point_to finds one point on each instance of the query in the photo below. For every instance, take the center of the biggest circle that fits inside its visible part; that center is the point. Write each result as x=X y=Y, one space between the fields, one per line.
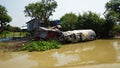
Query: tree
x=90 y=20
x=42 y=9
x=16 y=29
x=69 y=21
x=112 y=12
x=4 y=18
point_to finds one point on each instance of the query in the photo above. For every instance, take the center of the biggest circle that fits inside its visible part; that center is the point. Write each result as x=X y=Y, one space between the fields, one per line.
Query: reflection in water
x=17 y=61
x=85 y=48
x=114 y=65
x=88 y=48
x=103 y=52
x=5 y=56
x=65 y=59
x=93 y=54
x=116 y=45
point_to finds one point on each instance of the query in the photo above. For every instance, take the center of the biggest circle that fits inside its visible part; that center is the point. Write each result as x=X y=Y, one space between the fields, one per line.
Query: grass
x=12 y=34
x=41 y=45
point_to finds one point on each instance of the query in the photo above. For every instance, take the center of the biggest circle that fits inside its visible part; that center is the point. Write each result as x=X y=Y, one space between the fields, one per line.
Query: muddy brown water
x=92 y=54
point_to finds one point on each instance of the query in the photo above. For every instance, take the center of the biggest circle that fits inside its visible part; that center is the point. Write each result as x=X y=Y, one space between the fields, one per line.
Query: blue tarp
x=10 y=39
x=6 y=39
x=55 y=22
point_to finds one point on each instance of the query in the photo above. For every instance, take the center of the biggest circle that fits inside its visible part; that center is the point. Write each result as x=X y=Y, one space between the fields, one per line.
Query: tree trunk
x=1 y=27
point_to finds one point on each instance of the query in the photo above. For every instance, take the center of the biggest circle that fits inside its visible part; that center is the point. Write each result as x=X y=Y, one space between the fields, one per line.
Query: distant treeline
x=104 y=28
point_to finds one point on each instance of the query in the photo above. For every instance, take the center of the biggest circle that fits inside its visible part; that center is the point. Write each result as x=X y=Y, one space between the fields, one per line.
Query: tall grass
x=41 y=45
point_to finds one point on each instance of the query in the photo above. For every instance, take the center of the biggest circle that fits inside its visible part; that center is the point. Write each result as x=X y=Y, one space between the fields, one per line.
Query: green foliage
x=16 y=29
x=41 y=45
x=42 y=9
x=112 y=12
x=88 y=20
x=12 y=29
x=117 y=29
x=4 y=17
x=11 y=34
x=69 y=21
x=93 y=21
x=9 y=28
x=113 y=5
x=112 y=15
x=2 y=10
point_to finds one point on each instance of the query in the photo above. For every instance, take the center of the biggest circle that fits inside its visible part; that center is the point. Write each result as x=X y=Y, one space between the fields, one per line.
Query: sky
x=16 y=9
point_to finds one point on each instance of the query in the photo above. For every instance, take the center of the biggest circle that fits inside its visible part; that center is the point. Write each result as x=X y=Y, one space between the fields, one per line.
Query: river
x=91 y=54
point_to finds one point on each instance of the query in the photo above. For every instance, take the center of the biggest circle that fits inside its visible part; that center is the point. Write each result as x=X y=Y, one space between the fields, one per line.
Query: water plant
x=40 y=45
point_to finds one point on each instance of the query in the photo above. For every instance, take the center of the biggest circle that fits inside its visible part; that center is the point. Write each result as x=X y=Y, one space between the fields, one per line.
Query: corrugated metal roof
x=48 y=29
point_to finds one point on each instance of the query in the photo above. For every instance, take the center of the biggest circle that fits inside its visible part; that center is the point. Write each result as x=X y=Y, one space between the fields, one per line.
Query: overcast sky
x=16 y=7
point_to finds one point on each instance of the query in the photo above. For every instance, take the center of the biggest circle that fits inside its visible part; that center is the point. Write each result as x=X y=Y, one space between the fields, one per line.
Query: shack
x=46 y=33
x=37 y=30
x=33 y=24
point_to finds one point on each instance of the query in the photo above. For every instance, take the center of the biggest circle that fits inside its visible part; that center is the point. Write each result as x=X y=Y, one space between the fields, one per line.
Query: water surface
x=92 y=54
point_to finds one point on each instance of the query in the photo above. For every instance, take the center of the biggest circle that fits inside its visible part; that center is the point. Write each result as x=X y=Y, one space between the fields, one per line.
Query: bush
x=117 y=29
x=41 y=45
x=69 y=21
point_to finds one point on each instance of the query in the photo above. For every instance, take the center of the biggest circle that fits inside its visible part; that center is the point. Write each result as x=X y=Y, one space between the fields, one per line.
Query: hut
x=47 y=33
